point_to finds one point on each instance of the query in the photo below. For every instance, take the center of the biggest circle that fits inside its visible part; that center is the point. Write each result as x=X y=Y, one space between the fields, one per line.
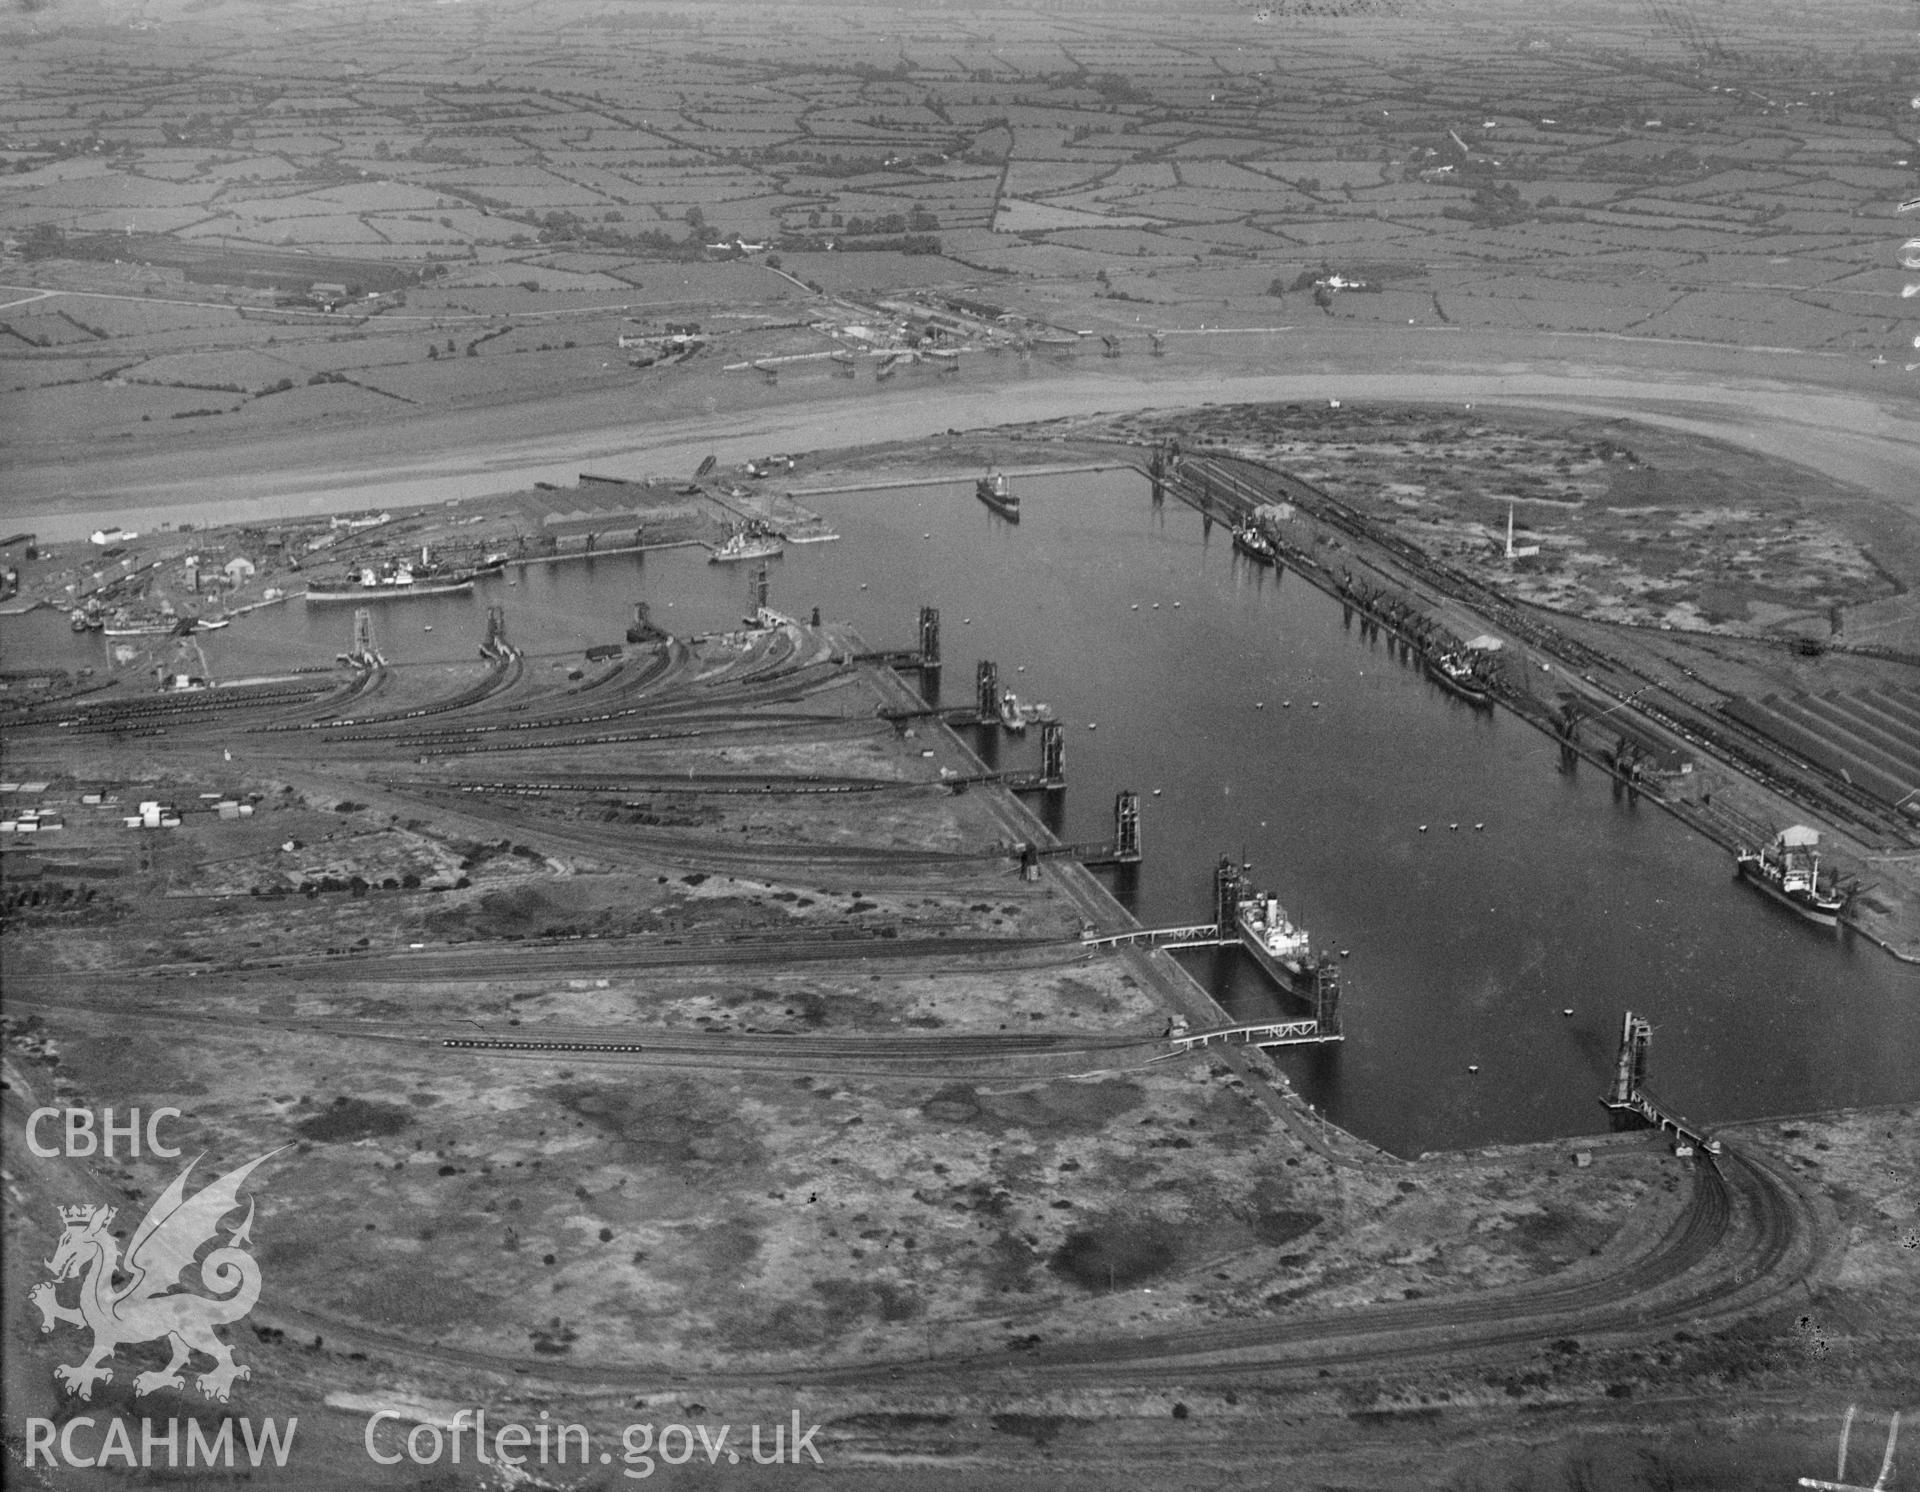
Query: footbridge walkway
x=1190 y=935
x=1261 y=1033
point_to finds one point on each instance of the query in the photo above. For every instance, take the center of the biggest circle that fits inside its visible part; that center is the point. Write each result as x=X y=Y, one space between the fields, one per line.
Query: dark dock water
x=1254 y=723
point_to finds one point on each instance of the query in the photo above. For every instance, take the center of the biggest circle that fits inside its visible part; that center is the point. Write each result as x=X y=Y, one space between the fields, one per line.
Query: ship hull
x=324 y=595
x=1286 y=974
x=724 y=556
x=1753 y=875
x=998 y=495
x=1293 y=974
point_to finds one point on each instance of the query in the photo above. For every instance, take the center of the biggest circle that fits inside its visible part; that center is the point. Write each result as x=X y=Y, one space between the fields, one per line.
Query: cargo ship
x=1280 y=948
x=402 y=578
x=395 y=581
x=1455 y=673
x=997 y=493
x=752 y=540
x=1788 y=870
x=1255 y=545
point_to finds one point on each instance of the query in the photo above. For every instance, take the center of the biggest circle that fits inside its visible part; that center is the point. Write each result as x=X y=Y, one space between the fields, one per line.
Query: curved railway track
x=1744 y=1239
x=1746 y=1235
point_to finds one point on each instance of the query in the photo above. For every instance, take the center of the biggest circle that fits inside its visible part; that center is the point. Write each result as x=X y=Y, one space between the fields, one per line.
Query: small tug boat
x=997 y=493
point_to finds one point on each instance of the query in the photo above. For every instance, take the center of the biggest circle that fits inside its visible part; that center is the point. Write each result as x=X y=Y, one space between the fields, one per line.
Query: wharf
x=1629 y=1099
x=1098 y=909
x=963 y=478
x=586 y=554
x=1418 y=589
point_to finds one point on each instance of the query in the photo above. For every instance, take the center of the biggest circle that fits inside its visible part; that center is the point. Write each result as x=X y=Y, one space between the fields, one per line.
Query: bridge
x=901 y=658
x=1122 y=849
x=1192 y=935
x=951 y=714
x=1263 y=1033
x=1685 y=1134
x=926 y=657
x=1317 y=981
x=1630 y=1099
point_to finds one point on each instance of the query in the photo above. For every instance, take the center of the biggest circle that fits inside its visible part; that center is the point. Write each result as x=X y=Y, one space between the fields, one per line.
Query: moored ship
x=1789 y=871
x=997 y=493
x=1280 y=948
x=753 y=540
x=1255 y=545
x=1455 y=673
x=400 y=581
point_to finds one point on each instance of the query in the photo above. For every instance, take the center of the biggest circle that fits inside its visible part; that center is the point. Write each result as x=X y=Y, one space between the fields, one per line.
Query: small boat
x=1788 y=870
x=997 y=493
x=1255 y=545
x=1016 y=716
x=1455 y=673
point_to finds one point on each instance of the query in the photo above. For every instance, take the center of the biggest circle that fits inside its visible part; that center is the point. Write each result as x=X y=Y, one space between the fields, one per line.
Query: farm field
x=1707 y=179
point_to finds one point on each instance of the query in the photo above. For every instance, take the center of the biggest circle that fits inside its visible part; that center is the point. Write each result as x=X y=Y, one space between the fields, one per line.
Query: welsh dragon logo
x=151 y=1303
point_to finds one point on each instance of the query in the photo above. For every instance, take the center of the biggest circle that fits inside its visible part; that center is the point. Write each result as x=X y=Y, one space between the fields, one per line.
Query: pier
x=1228 y=930
x=361 y=651
x=1122 y=849
x=1261 y=1033
x=494 y=647
x=1631 y=1102
x=1196 y=935
x=925 y=658
x=1052 y=776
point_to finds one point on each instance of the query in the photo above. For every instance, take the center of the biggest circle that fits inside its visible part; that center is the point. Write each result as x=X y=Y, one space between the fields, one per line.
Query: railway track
x=1246 y=484
x=1744 y=1239
x=1747 y=1234
x=574 y=957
